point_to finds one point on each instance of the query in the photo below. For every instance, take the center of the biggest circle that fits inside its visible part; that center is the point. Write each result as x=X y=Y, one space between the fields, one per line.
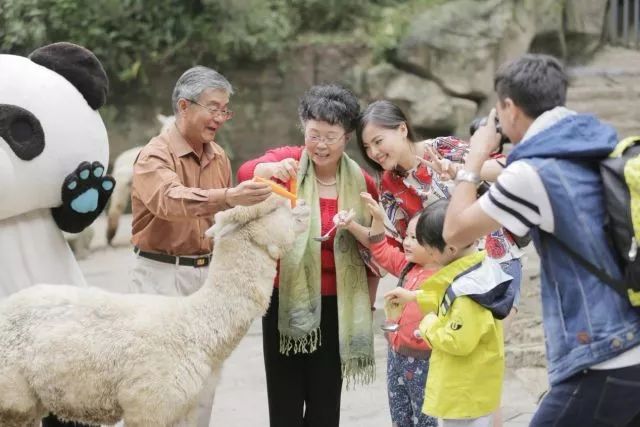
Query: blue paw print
x=85 y=188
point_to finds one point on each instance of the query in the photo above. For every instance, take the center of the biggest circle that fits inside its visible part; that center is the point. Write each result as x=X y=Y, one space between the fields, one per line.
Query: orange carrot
x=294 y=190
x=278 y=189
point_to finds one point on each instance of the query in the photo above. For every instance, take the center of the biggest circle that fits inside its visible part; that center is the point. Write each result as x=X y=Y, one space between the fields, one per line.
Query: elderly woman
x=318 y=329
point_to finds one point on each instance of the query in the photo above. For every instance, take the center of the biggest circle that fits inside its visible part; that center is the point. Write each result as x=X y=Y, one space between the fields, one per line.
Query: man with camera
x=552 y=188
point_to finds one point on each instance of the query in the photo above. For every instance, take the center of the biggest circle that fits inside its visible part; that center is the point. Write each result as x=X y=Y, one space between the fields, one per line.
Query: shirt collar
x=546 y=120
x=182 y=148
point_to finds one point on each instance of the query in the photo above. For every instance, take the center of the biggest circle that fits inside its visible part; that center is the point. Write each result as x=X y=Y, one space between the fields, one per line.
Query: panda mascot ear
x=79 y=66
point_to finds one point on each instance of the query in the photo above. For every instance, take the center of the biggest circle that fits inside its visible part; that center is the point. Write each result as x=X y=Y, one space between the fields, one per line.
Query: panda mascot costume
x=53 y=148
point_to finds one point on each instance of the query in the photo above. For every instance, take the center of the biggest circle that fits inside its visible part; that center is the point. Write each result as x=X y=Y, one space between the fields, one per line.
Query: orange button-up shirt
x=175 y=193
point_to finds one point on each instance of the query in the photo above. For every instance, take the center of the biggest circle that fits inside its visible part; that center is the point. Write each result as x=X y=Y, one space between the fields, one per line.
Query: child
x=408 y=357
x=464 y=302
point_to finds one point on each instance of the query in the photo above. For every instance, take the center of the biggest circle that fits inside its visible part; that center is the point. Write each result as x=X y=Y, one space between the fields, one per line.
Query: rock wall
x=265 y=101
x=441 y=73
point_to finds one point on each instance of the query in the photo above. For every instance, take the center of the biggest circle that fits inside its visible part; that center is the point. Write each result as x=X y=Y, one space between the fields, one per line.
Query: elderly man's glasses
x=329 y=140
x=215 y=112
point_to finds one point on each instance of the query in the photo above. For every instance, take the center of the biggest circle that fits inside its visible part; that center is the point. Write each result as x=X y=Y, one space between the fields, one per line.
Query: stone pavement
x=241 y=398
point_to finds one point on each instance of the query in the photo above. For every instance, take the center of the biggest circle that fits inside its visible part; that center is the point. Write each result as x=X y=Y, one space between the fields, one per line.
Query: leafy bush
x=129 y=36
x=134 y=37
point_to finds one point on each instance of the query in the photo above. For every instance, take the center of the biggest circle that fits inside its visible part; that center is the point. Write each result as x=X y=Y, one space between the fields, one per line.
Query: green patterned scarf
x=299 y=311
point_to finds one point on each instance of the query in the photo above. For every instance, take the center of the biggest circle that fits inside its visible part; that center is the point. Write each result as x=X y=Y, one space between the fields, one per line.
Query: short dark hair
x=330 y=103
x=385 y=114
x=536 y=83
x=430 y=225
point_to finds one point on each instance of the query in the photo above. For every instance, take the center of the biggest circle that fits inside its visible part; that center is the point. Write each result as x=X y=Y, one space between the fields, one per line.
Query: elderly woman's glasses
x=215 y=112
x=316 y=139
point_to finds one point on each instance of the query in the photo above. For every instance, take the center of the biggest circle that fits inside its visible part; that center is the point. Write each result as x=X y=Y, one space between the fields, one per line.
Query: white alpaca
x=94 y=356
x=123 y=174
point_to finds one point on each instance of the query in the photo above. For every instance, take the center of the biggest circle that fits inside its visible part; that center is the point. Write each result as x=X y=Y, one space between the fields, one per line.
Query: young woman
x=318 y=329
x=416 y=174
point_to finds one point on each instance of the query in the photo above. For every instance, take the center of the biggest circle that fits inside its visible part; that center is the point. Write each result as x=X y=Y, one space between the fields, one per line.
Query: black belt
x=201 y=261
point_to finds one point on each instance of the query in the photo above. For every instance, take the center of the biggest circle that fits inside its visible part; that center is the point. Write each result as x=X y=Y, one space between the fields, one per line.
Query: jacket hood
x=576 y=136
x=487 y=285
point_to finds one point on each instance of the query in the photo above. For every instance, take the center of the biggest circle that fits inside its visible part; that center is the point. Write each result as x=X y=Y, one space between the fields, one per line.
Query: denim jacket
x=585 y=321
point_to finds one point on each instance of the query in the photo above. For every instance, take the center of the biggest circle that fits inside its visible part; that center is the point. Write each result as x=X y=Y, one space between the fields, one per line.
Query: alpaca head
x=272 y=224
x=165 y=121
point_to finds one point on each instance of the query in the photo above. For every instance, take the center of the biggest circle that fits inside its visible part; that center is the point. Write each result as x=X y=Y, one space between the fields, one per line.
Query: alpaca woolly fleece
x=93 y=356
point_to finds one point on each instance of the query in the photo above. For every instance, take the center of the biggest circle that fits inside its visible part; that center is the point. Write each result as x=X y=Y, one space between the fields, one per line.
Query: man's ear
x=510 y=109
x=183 y=104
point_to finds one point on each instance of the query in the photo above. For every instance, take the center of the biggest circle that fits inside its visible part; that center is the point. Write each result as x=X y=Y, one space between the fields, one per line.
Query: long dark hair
x=385 y=114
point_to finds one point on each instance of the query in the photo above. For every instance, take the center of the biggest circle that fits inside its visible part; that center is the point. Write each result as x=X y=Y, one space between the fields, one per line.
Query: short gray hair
x=196 y=80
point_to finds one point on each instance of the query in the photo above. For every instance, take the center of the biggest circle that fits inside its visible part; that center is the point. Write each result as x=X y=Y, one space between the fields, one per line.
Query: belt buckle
x=201 y=261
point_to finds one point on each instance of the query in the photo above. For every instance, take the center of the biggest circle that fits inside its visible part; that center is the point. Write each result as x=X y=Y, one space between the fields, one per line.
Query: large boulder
x=377 y=80
x=584 y=25
x=430 y=109
x=461 y=43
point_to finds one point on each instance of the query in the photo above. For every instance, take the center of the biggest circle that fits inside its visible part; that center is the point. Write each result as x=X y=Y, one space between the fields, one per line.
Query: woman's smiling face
x=325 y=142
x=385 y=146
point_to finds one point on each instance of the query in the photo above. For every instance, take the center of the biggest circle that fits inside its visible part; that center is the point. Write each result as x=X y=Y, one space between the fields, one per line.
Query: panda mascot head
x=53 y=142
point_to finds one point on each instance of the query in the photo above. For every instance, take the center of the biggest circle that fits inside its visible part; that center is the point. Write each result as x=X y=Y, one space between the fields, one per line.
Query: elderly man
x=180 y=180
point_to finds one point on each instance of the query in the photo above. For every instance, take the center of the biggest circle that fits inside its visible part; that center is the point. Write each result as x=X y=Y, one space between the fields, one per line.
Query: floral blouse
x=404 y=194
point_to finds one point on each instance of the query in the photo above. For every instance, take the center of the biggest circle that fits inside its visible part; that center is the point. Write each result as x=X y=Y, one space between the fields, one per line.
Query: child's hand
x=374 y=207
x=426 y=323
x=343 y=218
x=399 y=296
x=392 y=310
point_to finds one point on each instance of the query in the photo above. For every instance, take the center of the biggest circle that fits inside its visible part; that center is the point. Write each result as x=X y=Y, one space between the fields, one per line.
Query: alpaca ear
x=274 y=251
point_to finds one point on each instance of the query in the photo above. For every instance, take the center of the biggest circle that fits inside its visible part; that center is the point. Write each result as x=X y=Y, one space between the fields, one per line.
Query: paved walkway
x=241 y=398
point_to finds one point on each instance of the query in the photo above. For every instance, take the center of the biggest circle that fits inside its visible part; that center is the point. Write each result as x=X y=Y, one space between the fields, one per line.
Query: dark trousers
x=593 y=398
x=303 y=389
x=53 y=421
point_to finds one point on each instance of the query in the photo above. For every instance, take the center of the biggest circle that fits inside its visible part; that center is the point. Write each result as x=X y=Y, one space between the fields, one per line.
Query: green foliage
x=133 y=38
x=390 y=23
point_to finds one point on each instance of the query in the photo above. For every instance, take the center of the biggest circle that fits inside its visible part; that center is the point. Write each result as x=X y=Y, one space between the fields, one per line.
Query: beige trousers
x=153 y=277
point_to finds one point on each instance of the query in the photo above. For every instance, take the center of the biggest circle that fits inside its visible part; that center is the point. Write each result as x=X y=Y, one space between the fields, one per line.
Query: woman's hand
x=343 y=218
x=399 y=296
x=376 y=211
x=284 y=170
x=444 y=168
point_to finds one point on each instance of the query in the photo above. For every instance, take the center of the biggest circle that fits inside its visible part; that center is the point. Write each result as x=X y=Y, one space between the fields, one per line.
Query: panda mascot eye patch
x=22 y=131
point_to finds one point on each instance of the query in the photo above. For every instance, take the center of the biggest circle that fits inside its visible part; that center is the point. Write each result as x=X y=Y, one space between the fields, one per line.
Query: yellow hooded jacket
x=467 y=357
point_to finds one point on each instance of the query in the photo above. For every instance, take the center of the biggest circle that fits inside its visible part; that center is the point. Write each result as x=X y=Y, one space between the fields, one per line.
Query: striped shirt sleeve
x=518 y=200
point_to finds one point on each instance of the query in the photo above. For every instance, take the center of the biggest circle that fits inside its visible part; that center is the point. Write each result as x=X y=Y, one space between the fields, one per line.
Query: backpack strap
x=617 y=285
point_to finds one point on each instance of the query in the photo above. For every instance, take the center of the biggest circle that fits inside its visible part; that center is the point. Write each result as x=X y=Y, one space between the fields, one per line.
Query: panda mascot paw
x=85 y=192
x=52 y=136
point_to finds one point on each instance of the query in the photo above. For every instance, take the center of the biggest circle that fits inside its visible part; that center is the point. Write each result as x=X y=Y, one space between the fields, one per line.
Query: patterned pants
x=406 y=380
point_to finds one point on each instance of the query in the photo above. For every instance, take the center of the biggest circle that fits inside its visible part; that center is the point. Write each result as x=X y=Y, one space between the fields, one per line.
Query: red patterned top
x=403 y=195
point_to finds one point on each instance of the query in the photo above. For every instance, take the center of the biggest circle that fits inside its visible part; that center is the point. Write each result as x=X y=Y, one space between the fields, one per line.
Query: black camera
x=481 y=121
